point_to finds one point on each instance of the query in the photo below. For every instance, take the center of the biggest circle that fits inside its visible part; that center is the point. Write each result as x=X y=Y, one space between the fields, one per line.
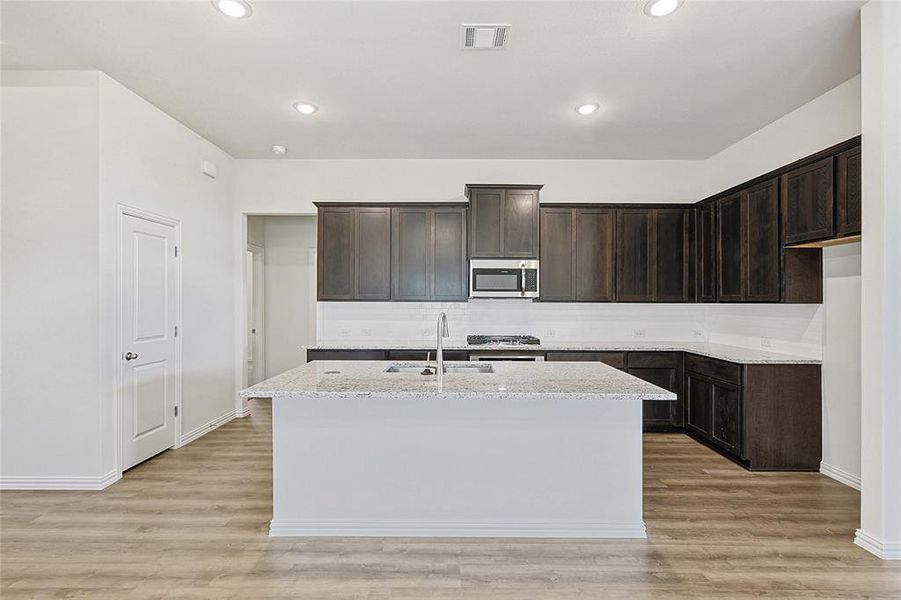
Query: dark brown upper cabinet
x=354 y=253
x=652 y=255
x=504 y=221
x=730 y=275
x=807 y=203
x=705 y=232
x=577 y=254
x=429 y=253
x=748 y=247
x=847 y=200
x=762 y=248
x=635 y=236
x=671 y=254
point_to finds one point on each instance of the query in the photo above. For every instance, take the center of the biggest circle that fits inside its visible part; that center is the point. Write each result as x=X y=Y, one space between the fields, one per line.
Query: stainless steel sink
x=449 y=368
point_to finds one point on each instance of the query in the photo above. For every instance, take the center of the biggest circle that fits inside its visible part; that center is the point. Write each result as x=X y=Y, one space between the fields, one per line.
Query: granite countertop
x=510 y=380
x=736 y=354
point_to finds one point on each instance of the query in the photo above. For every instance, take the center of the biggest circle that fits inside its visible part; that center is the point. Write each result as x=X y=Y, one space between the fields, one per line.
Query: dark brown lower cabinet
x=765 y=417
x=614 y=359
x=327 y=354
x=663 y=369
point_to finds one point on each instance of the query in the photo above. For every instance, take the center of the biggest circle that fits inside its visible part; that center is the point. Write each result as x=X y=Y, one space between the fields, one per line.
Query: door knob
x=130 y=356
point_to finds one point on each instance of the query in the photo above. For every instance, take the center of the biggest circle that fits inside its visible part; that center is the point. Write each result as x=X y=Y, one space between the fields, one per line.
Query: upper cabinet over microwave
x=503 y=221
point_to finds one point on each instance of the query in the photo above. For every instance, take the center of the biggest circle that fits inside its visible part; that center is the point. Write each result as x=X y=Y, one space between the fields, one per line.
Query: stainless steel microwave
x=503 y=278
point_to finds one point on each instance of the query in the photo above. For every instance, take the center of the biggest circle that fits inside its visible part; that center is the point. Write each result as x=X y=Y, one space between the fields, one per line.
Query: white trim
x=378 y=528
x=123 y=210
x=207 y=427
x=245 y=411
x=884 y=550
x=59 y=483
x=840 y=475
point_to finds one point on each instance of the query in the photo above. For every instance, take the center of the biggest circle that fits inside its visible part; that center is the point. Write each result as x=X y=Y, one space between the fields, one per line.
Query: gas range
x=502 y=340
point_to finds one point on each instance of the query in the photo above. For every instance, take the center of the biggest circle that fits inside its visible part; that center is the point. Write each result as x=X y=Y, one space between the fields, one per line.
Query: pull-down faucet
x=439 y=355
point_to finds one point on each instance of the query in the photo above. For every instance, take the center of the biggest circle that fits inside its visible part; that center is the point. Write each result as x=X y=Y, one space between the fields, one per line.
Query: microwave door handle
x=522 y=285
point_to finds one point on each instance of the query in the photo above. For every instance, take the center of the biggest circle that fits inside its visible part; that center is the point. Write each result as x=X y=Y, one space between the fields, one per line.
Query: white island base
x=385 y=465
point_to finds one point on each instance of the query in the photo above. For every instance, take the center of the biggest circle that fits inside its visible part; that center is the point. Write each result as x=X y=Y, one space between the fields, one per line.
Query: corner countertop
x=735 y=354
x=510 y=380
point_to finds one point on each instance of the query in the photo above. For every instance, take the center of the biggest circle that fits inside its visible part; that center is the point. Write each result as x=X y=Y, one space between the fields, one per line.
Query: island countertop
x=533 y=380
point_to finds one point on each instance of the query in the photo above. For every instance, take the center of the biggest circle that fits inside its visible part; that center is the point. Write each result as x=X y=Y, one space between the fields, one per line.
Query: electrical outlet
x=366 y=332
x=639 y=333
x=550 y=333
x=344 y=332
x=698 y=333
x=765 y=342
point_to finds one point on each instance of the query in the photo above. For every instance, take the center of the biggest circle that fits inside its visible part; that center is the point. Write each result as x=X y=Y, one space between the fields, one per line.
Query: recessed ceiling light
x=237 y=9
x=587 y=109
x=305 y=108
x=280 y=150
x=661 y=8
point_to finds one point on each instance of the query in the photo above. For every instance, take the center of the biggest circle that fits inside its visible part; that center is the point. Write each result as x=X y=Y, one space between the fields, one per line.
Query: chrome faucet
x=439 y=355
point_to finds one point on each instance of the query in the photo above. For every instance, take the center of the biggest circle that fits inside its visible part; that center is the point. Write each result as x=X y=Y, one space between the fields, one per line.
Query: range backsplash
x=795 y=329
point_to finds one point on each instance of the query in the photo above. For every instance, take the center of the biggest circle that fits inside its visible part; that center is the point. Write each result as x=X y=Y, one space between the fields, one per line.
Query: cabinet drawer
x=717 y=369
x=345 y=355
x=614 y=359
x=654 y=360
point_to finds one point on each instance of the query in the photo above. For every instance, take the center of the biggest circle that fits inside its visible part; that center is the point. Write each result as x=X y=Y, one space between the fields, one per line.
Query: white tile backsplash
x=796 y=329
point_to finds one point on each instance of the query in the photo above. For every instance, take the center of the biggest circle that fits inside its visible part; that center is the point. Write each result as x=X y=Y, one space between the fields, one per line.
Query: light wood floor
x=192 y=523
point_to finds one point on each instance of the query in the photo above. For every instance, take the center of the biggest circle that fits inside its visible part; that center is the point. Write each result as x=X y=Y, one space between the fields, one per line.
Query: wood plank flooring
x=192 y=523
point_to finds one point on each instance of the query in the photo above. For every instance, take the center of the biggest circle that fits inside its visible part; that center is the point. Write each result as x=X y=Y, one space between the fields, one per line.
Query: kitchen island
x=527 y=450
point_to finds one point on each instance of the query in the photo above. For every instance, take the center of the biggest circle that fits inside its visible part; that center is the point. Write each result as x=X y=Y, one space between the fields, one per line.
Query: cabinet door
x=671 y=255
x=726 y=415
x=763 y=251
x=314 y=354
x=373 y=268
x=519 y=224
x=807 y=203
x=848 y=199
x=634 y=234
x=659 y=414
x=593 y=268
x=698 y=399
x=486 y=209
x=449 y=281
x=411 y=253
x=706 y=244
x=335 y=272
x=730 y=262
x=557 y=255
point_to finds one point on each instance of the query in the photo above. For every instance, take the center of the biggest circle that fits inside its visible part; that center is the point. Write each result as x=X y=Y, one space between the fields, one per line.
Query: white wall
x=77 y=144
x=880 y=58
x=824 y=121
x=841 y=363
x=50 y=379
x=290 y=290
x=291 y=186
x=151 y=161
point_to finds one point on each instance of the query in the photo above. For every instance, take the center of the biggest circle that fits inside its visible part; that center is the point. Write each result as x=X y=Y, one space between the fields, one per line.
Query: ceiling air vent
x=484 y=37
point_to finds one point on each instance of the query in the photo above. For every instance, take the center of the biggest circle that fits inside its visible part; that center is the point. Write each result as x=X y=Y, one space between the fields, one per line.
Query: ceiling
x=391 y=81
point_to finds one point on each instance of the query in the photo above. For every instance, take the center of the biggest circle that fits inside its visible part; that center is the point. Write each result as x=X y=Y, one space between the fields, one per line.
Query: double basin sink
x=449 y=368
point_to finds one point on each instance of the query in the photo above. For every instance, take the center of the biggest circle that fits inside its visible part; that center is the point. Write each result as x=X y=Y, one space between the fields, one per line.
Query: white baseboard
x=549 y=529
x=884 y=550
x=192 y=435
x=840 y=475
x=41 y=482
x=242 y=412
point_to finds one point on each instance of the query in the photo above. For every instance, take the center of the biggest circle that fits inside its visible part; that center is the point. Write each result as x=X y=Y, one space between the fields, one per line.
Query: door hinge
x=176 y=331
x=176 y=251
x=176 y=411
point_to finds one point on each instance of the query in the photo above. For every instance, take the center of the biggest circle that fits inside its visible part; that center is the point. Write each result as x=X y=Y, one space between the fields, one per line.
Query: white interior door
x=150 y=375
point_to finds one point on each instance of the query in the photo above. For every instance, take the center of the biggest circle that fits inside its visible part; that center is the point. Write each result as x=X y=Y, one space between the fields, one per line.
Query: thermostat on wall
x=208 y=168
